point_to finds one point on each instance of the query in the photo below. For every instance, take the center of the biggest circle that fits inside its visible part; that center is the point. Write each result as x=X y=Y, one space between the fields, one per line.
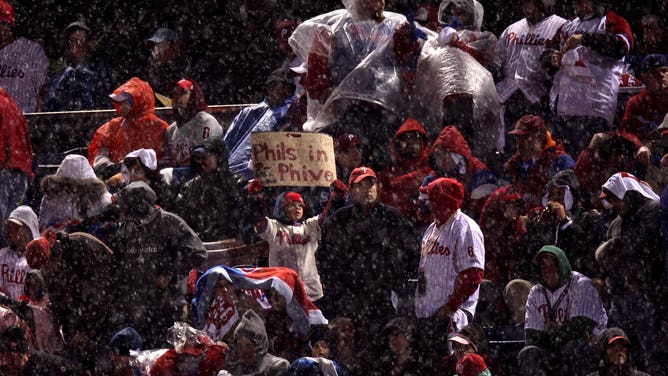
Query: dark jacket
x=570 y=236
x=361 y=258
x=213 y=203
x=153 y=241
x=607 y=369
x=638 y=256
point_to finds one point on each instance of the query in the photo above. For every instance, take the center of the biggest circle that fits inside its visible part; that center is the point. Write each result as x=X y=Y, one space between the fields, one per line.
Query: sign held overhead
x=293 y=159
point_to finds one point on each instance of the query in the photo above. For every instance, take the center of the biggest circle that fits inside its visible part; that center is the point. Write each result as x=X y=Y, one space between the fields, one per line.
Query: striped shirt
x=520 y=47
x=23 y=68
x=446 y=251
x=13 y=271
x=580 y=298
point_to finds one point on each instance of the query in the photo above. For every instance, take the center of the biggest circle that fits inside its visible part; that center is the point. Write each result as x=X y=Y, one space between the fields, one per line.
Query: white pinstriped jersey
x=23 y=68
x=447 y=250
x=294 y=246
x=181 y=140
x=13 y=271
x=520 y=47
x=587 y=82
x=582 y=299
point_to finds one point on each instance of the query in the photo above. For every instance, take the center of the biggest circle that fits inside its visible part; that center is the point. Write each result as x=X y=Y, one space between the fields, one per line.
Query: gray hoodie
x=252 y=327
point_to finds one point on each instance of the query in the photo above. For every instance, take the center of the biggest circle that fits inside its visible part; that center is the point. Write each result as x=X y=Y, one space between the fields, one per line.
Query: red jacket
x=399 y=183
x=142 y=128
x=14 y=137
x=643 y=109
x=477 y=173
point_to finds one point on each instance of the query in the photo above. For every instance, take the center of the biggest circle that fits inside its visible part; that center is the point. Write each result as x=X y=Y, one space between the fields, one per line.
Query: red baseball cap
x=361 y=173
x=529 y=124
x=346 y=141
x=617 y=338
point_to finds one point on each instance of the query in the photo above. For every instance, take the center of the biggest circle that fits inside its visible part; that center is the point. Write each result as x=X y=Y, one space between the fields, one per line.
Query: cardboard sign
x=293 y=159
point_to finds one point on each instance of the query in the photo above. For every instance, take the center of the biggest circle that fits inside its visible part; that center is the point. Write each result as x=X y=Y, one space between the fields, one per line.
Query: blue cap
x=164 y=34
x=653 y=61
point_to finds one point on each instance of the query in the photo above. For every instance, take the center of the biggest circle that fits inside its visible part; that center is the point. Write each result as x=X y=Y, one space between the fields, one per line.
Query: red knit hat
x=294 y=197
x=38 y=251
x=471 y=364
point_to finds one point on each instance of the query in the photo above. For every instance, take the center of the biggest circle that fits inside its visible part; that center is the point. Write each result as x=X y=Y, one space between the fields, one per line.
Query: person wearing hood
x=539 y=156
x=15 y=167
x=75 y=197
x=450 y=156
x=136 y=127
x=251 y=347
x=451 y=267
x=19 y=229
x=77 y=271
x=269 y=115
x=462 y=23
x=559 y=221
x=212 y=202
x=590 y=61
x=526 y=79
x=165 y=249
x=563 y=312
x=633 y=261
x=400 y=180
x=615 y=359
x=193 y=125
x=142 y=165
x=401 y=357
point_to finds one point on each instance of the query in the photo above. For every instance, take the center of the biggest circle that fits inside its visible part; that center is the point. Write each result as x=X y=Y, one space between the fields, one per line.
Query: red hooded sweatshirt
x=14 y=137
x=451 y=140
x=142 y=128
x=399 y=183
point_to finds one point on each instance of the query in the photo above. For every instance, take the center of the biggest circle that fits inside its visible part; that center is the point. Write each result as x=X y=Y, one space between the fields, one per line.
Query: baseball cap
x=617 y=338
x=7 y=14
x=471 y=364
x=301 y=69
x=462 y=339
x=663 y=127
x=529 y=124
x=164 y=34
x=285 y=29
x=361 y=173
x=281 y=75
x=120 y=97
x=146 y=156
x=653 y=61
x=77 y=25
x=185 y=84
x=346 y=142
x=125 y=340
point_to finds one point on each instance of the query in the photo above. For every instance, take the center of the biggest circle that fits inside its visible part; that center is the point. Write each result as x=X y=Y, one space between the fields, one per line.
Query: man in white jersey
x=192 y=125
x=23 y=64
x=523 y=53
x=564 y=313
x=584 y=94
x=452 y=259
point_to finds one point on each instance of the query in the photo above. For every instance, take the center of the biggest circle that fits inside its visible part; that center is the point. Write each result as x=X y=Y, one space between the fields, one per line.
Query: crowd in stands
x=486 y=188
